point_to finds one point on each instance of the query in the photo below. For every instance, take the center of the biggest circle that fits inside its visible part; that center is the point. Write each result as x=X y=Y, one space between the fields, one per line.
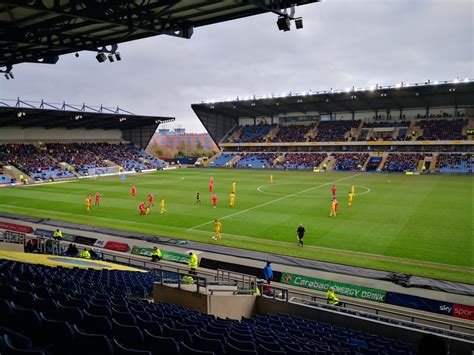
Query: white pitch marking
x=273 y=201
x=260 y=189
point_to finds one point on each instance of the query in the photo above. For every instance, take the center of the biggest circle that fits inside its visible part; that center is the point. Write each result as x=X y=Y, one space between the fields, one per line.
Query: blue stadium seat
x=84 y=343
x=210 y=335
x=25 y=321
x=100 y=310
x=125 y=318
x=177 y=334
x=25 y=299
x=153 y=326
x=10 y=349
x=160 y=345
x=18 y=340
x=266 y=346
x=242 y=344
x=96 y=324
x=121 y=350
x=73 y=315
x=47 y=306
x=205 y=344
x=128 y=336
x=55 y=336
x=187 y=350
x=235 y=350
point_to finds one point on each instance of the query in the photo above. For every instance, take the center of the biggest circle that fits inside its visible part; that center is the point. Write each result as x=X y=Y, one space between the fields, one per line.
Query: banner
x=342 y=289
x=16 y=227
x=420 y=303
x=116 y=246
x=82 y=240
x=462 y=311
x=166 y=255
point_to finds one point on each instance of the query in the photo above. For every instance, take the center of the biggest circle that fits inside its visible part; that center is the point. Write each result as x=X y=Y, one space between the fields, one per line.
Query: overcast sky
x=343 y=43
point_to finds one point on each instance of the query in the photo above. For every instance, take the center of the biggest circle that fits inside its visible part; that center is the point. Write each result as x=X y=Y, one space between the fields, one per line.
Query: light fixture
x=118 y=56
x=21 y=114
x=283 y=23
x=9 y=75
x=101 y=57
x=435 y=82
x=348 y=90
x=466 y=80
x=299 y=22
x=76 y=55
x=456 y=81
x=111 y=58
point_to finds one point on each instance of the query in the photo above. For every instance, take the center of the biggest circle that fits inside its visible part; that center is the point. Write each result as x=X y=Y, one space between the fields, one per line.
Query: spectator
x=331 y=297
x=93 y=254
x=155 y=254
x=58 y=234
x=268 y=272
x=193 y=263
x=85 y=254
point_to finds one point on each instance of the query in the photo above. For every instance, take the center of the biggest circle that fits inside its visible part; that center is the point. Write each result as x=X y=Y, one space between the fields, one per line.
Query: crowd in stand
x=455 y=163
x=43 y=163
x=350 y=161
x=303 y=160
x=442 y=129
x=292 y=133
x=402 y=162
x=255 y=133
x=334 y=131
x=387 y=124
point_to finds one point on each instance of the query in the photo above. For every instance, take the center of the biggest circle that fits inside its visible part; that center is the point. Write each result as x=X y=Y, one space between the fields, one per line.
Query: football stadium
x=329 y=222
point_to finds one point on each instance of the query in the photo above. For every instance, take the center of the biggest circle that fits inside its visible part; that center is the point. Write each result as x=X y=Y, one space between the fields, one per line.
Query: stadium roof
x=40 y=31
x=219 y=117
x=42 y=114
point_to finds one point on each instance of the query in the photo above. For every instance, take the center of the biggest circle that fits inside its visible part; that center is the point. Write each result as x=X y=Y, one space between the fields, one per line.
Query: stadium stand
x=221 y=160
x=301 y=161
x=255 y=134
x=349 y=161
x=333 y=131
x=257 y=161
x=64 y=311
x=292 y=133
x=31 y=160
x=455 y=163
x=442 y=129
x=402 y=162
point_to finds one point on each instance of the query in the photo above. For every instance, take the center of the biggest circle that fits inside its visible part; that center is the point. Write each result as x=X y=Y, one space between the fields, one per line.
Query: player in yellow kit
x=333 y=208
x=162 y=205
x=89 y=203
x=232 y=199
x=353 y=190
x=351 y=196
x=217 y=230
x=234 y=187
x=271 y=178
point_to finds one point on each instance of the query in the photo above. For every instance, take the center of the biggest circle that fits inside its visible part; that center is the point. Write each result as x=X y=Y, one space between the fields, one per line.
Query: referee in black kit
x=300 y=234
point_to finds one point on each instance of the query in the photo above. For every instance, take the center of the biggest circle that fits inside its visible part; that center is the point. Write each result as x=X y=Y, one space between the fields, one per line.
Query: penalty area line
x=275 y=200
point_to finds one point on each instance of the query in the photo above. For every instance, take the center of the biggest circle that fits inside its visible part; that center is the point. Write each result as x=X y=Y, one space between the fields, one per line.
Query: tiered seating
x=78 y=155
x=333 y=131
x=221 y=160
x=257 y=161
x=349 y=161
x=255 y=134
x=302 y=161
x=32 y=161
x=397 y=162
x=455 y=164
x=154 y=162
x=5 y=179
x=376 y=124
x=442 y=129
x=292 y=133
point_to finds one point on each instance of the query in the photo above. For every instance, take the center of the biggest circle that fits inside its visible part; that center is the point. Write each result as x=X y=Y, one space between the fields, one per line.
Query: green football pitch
x=420 y=225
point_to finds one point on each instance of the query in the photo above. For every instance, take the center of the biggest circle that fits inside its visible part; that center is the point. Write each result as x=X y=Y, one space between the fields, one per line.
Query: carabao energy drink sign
x=341 y=289
x=166 y=255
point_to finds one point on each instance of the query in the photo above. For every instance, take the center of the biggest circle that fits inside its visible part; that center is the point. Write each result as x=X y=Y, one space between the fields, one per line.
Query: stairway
x=434 y=160
x=420 y=165
x=13 y=172
x=367 y=161
x=382 y=162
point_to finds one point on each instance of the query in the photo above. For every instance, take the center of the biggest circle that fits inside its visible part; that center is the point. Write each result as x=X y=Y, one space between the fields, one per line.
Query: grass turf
x=420 y=225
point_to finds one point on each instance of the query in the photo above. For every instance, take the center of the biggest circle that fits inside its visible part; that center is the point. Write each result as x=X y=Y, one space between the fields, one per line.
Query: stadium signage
x=342 y=289
x=463 y=311
x=166 y=255
x=16 y=227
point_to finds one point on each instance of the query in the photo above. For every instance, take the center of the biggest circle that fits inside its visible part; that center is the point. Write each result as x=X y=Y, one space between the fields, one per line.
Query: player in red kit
x=211 y=184
x=97 y=198
x=151 y=200
x=333 y=189
x=214 y=201
x=143 y=209
x=134 y=191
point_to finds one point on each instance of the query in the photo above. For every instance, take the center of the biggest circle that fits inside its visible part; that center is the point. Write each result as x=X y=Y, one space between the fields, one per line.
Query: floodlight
x=283 y=23
x=118 y=56
x=466 y=80
x=372 y=88
x=456 y=81
x=435 y=82
x=299 y=22
x=7 y=76
x=111 y=58
x=101 y=57
x=348 y=90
